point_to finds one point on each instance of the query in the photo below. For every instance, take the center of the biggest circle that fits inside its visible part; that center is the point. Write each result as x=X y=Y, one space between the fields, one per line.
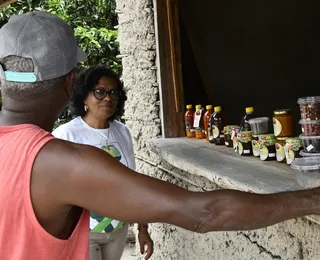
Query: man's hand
x=145 y=240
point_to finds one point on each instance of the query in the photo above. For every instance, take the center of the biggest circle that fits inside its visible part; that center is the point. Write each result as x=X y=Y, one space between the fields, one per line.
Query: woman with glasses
x=98 y=102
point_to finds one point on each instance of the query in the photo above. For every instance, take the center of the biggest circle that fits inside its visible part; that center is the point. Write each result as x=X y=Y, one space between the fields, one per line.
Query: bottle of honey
x=216 y=125
x=206 y=119
x=188 y=119
x=198 y=122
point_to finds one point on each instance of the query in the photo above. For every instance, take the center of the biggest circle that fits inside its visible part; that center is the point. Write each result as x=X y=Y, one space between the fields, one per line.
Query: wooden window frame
x=6 y=2
x=169 y=67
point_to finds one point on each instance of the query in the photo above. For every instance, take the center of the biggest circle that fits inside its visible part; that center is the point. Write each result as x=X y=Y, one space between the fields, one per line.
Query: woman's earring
x=85 y=108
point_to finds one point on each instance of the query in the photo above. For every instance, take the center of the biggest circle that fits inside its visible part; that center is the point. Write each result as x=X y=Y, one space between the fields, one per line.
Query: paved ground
x=129 y=253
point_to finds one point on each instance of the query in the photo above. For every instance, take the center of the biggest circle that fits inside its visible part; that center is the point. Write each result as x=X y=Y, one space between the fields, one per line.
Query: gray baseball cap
x=44 y=38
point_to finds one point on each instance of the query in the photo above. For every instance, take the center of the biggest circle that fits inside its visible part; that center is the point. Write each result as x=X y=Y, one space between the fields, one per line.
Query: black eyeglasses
x=101 y=93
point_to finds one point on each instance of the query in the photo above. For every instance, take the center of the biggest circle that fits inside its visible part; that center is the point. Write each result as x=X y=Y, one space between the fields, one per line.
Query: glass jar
x=293 y=147
x=255 y=146
x=244 y=145
x=283 y=124
x=280 y=149
x=234 y=138
x=267 y=144
x=227 y=131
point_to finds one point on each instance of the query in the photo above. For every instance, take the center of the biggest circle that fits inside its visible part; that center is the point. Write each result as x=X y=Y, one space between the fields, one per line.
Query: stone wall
x=295 y=239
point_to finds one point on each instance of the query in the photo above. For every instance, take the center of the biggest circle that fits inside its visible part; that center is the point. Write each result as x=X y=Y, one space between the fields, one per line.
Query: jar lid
x=294 y=140
x=304 y=154
x=281 y=139
x=209 y=107
x=306 y=164
x=198 y=107
x=230 y=127
x=305 y=137
x=308 y=100
x=217 y=109
x=310 y=122
x=266 y=137
x=189 y=106
x=259 y=120
x=282 y=112
x=249 y=109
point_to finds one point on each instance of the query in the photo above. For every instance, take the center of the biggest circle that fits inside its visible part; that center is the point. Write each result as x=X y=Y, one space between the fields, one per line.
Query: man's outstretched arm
x=90 y=178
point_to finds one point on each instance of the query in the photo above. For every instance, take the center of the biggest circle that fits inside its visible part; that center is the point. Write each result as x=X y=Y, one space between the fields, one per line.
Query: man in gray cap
x=48 y=185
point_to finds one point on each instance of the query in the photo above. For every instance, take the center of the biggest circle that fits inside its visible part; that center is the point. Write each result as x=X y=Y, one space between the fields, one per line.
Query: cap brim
x=81 y=56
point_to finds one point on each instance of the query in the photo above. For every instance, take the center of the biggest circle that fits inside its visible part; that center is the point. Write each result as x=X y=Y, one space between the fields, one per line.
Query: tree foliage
x=93 y=22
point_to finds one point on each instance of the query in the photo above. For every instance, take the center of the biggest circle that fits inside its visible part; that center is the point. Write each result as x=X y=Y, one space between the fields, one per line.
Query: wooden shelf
x=226 y=168
x=6 y=2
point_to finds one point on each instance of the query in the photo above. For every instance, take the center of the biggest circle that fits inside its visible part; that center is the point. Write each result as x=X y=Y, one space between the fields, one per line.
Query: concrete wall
x=295 y=239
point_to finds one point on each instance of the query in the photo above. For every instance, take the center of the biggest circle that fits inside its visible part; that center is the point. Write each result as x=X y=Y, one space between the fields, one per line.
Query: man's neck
x=9 y=118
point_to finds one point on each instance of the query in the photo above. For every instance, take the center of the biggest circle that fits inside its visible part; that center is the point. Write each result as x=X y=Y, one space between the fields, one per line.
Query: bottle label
x=197 y=118
x=281 y=154
x=240 y=148
x=277 y=126
x=187 y=126
x=215 y=131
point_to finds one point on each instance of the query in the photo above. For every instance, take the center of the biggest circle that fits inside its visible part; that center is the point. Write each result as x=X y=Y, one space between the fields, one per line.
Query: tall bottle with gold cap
x=206 y=119
x=188 y=119
x=198 y=122
x=244 y=125
x=216 y=125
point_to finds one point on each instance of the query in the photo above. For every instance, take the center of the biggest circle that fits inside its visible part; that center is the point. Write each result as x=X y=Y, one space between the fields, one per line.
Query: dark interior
x=264 y=54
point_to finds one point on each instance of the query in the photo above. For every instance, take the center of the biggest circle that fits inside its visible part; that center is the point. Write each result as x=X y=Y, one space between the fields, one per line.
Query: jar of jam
x=280 y=149
x=244 y=144
x=255 y=146
x=283 y=124
x=234 y=138
x=293 y=147
x=227 y=131
x=267 y=147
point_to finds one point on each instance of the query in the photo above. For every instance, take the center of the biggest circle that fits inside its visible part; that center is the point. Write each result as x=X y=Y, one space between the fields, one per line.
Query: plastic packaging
x=310 y=108
x=304 y=154
x=310 y=127
x=311 y=143
x=259 y=125
x=307 y=171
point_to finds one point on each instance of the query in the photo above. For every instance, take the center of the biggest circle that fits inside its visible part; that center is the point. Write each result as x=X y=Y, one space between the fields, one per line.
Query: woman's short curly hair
x=86 y=82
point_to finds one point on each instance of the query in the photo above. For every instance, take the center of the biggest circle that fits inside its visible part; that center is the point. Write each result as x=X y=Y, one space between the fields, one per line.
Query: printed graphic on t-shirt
x=99 y=223
x=112 y=150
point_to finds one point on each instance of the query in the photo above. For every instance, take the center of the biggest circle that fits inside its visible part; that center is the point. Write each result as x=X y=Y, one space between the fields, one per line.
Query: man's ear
x=69 y=82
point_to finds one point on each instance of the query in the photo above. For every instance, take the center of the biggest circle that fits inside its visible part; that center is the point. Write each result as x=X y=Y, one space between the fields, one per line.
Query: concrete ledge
x=226 y=168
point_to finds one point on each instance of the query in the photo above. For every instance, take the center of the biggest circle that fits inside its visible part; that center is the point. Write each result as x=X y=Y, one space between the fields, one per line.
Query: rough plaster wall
x=295 y=239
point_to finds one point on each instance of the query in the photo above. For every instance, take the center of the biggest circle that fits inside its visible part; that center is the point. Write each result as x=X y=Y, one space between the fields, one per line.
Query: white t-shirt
x=117 y=135
x=116 y=140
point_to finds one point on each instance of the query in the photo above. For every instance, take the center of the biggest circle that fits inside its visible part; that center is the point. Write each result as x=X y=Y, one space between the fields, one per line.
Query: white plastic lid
x=258 y=120
x=311 y=122
x=306 y=164
x=308 y=100
x=305 y=137
x=304 y=154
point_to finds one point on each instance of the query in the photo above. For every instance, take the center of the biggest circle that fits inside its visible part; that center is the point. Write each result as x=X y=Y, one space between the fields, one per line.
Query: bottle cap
x=189 y=106
x=198 y=107
x=209 y=107
x=249 y=109
x=217 y=109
